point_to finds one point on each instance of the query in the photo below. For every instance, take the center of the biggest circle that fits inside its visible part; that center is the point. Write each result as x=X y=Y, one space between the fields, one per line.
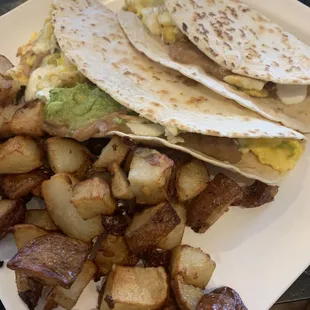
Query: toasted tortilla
x=242 y=40
x=91 y=37
x=294 y=116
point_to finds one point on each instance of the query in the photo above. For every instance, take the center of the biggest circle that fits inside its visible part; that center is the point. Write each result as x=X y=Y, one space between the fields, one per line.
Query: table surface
x=300 y=290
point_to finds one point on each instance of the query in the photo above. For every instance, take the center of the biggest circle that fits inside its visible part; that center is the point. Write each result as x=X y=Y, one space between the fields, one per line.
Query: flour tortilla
x=91 y=37
x=296 y=116
x=243 y=40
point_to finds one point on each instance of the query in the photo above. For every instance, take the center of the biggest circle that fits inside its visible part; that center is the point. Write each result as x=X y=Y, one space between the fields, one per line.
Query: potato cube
x=114 y=152
x=113 y=250
x=69 y=156
x=19 y=155
x=192 y=179
x=174 y=238
x=93 y=197
x=150 y=226
x=119 y=184
x=149 y=176
x=212 y=203
x=135 y=288
x=29 y=120
x=67 y=298
x=16 y=186
x=187 y=296
x=57 y=193
x=193 y=264
x=12 y=212
x=40 y=218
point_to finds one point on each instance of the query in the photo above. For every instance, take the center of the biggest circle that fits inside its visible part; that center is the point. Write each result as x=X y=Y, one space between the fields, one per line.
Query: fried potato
x=29 y=290
x=187 y=296
x=12 y=212
x=195 y=266
x=24 y=233
x=135 y=288
x=116 y=224
x=156 y=258
x=93 y=197
x=5 y=65
x=149 y=176
x=57 y=193
x=40 y=218
x=16 y=186
x=174 y=238
x=8 y=90
x=119 y=184
x=69 y=156
x=6 y=114
x=114 y=152
x=150 y=226
x=192 y=179
x=29 y=120
x=53 y=259
x=19 y=155
x=113 y=250
x=67 y=298
x=212 y=203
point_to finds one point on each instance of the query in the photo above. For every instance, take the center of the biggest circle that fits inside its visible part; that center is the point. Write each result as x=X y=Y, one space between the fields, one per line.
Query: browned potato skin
x=16 y=186
x=93 y=197
x=211 y=204
x=67 y=298
x=157 y=222
x=113 y=250
x=5 y=65
x=12 y=212
x=50 y=258
x=187 y=296
x=135 y=288
x=40 y=218
x=115 y=151
x=20 y=155
x=29 y=120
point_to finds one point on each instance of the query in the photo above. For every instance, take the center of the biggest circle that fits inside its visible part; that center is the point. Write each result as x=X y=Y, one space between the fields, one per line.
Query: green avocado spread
x=80 y=105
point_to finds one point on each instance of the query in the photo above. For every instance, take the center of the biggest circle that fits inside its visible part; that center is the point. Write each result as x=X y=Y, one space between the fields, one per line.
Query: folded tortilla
x=295 y=116
x=92 y=39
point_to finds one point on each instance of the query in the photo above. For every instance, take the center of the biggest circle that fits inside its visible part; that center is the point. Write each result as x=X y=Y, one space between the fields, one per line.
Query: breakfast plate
x=259 y=252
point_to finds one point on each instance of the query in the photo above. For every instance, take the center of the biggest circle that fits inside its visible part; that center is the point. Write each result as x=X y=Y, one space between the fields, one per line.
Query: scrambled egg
x=281 y=154
x=32 y=53
x=156 y=18
x=55 y=71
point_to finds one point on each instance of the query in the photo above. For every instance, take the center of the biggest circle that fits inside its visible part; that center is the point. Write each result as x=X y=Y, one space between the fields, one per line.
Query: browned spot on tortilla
x=173 y=100
x=106 y=39
x=156 y=104
x=164 y=92
x=139 y=77
x=195 y=100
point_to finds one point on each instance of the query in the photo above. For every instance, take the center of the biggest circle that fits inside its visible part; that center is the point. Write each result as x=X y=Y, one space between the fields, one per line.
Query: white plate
x=259 y=252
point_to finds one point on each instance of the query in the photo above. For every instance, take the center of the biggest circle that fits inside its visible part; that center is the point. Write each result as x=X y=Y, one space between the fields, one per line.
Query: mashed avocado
x=281 y=154
x=80 y=105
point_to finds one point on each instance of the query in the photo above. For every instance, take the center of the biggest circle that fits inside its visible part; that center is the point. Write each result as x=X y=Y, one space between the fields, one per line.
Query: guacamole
x=78 y=106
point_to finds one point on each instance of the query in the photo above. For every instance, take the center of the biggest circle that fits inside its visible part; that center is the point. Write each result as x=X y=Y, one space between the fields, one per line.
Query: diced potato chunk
x=12 y=212
x=67 y=298
x=135 y=288
x=29 y=120
x=93 y=197
x=57 y=193
x=193 y=264
x=16 y=186
x=119 y=183
x=192 y=179
x=40 y=218
x=69 y=156
x=187 y=296
x=114 y=152
x=149 y=176
x=19 y=155
x=212 y=203
x=113 y=250
x=174 y=238
x=150 y=226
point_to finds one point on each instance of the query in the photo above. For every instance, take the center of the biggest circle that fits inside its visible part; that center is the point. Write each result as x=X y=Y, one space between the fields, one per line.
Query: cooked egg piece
x=281 y=154
x=292 y=94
